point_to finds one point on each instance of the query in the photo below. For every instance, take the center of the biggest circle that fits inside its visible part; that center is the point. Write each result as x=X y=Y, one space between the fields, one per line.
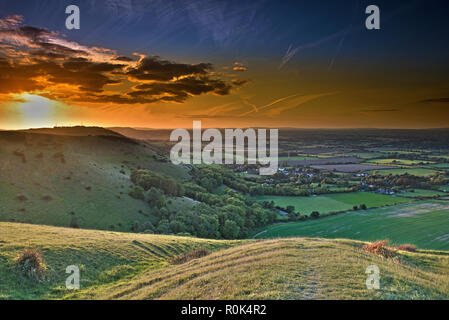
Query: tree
x=137 y=193
x=315 y=214
x=156 y=198
x=230 y=230
x=290 y=209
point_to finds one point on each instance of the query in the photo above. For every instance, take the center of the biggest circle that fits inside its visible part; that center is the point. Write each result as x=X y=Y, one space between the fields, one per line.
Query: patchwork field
x=424 y=224
x=333 y=202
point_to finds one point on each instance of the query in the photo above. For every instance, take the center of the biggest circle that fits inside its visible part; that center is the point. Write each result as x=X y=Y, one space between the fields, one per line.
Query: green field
x=420 y=172
x=421 y=193
x=297 y=158
x=424 y=224
x=362 y=155
x=333 y=202
x=398 y=162
x=128 y=266
x=440 y=165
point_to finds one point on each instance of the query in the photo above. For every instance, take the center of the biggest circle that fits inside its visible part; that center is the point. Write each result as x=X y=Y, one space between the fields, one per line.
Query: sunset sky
x=163 y=64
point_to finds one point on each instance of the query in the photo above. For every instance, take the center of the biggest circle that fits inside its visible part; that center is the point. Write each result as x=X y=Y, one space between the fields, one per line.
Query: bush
x=380 y=248
x=21 y=197
x=137 y=193
x=74 y=223
x=407 y=247
x=363 y=207
x=315 y=214
x=30 y=263
x=194 y=254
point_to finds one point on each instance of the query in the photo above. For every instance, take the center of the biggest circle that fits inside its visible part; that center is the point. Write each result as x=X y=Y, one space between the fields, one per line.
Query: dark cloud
x=124 y=59
x=239 y=82
x=153 y=68
x=43 y=59
x=17 y=79
x=32 y=33
x=436 y=100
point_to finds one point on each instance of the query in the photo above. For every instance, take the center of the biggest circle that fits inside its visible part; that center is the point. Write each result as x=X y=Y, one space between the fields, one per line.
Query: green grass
x=93 y=181
x=362 y=155
x=136 y=266
x=420 y=172
x=421 y=193
x=440 y=165
x=424 y=224
x=333 y=202
x=102 y=256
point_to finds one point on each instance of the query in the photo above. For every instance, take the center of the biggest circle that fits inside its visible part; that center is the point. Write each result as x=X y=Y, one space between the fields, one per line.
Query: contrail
x=269 y=105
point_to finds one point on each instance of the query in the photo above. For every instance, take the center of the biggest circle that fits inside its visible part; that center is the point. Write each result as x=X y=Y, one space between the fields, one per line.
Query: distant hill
x=75 y=176
x=139 y=266
x=74 y=131
x=144 y=134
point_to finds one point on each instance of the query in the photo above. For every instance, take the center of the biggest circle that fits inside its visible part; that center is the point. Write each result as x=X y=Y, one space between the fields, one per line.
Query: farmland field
x=440 y=165
x=421 y=193
x=420 y=172
x=350 y=167
x=424 y=224
x=398 y=162
x=333 y=202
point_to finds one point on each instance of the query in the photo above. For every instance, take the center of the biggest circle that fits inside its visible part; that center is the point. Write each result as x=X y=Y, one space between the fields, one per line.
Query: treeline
x=397 y=182
x=147 y=179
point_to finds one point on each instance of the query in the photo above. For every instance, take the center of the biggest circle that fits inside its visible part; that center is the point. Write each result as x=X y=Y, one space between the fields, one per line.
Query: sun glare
x=37 y=111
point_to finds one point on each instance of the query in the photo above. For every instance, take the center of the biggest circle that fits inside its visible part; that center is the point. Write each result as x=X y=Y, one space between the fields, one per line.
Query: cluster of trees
x=147 y=179
x=230 y=221
x=397 y=182
x=233 y=219
x=226 y=214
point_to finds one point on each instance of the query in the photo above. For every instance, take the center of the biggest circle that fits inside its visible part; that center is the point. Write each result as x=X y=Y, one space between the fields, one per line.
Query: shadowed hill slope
x=81 y=180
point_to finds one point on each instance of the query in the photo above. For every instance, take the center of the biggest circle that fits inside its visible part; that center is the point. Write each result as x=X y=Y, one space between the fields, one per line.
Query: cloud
x=436 y=100
x=153 y=68
x=380 y=110
x=238 y=66
x=44 y=62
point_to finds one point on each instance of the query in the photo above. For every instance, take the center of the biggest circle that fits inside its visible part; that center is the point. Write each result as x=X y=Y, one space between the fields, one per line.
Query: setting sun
x=37 y=111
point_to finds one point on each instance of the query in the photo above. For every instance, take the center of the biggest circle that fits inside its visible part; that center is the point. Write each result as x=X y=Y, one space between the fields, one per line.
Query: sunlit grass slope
x=137 y=266
x=102 y=256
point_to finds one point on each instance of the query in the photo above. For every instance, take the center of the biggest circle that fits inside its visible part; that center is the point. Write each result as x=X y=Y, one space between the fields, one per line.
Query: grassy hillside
x=82 y=178
x=423 y=223
x=137 y=266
